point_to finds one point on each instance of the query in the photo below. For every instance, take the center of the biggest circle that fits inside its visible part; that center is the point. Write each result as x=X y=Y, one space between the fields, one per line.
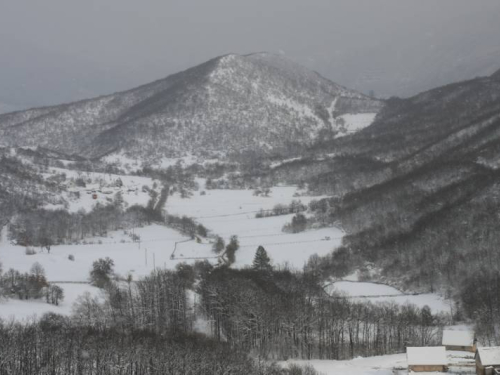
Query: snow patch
x=380 y=365
x=458 y=338
x=352 y=123
x=426 y=356
x=13 y=309
x=490 y=356
x=380 y=293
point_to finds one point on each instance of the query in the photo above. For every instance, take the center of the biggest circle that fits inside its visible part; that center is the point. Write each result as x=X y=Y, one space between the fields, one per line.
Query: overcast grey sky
x=60 y=50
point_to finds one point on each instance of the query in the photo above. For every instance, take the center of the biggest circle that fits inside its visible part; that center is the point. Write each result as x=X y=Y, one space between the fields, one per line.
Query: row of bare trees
x=286 y=315
x=275 y=314
x=58 y=346
x=45 y=228
x=139 y=328
x=148 y=326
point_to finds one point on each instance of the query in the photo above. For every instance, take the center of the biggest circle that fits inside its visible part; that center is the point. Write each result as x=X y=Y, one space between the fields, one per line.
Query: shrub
x=298 y=224
x=102 y=270
x=30 y=251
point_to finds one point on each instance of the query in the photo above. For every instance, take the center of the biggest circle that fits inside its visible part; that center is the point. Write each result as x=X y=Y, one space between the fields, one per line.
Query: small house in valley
x=488 y=360
x=427 y=359
x=459 y=340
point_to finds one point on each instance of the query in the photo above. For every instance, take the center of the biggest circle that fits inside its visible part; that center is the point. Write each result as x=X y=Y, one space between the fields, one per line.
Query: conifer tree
x=218 y=245
x=261 y=262
x=231 y=248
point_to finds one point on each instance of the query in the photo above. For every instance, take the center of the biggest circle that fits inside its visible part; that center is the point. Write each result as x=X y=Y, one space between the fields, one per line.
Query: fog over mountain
x=65 y=52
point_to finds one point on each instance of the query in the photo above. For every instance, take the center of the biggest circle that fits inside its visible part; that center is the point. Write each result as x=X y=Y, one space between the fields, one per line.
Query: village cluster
x=459 y=352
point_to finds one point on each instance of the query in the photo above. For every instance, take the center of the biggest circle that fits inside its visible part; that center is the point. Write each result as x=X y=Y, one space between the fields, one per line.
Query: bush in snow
x=294 y=369
x=102 y=270
x=29 y=251
x=54 y=294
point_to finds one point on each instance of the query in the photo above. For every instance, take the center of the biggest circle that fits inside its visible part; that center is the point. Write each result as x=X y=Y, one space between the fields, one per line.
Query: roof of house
x=489 y=356
x=426 y=356
x=458 y=338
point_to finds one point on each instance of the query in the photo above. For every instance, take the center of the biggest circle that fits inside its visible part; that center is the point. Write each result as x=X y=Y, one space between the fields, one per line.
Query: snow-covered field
x=378 y=293
x=155 y=248
x=138 y=259
x=225 y=212
x=232 y=212
x=381 y=365
x=355 y=122
x=363 y=289
x=396 y=364
x=12 y=309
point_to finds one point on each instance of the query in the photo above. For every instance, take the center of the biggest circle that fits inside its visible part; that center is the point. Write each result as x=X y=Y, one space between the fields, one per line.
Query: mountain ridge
x=227 y=104
x=417 y=191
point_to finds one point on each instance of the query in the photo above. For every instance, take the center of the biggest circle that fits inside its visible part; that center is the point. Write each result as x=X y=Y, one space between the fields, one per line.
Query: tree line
x=282 y=314
x=29 y=285
x=143 y=327
x=148 y=326
x=446 y=242
x=58 y=346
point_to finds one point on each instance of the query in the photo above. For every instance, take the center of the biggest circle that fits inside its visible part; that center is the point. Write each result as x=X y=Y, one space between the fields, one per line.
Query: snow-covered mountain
x=233 y=103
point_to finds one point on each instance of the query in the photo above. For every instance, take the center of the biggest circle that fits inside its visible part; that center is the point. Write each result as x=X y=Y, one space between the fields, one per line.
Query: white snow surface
x=489 y=356
x=429 y=355
x=13 y=309
x=360 y=289
x=394 y=364
x=380 y=293
x=356 y=122
x=232 y=212
x=155 y=248
x=380 y=365
x=458 y=338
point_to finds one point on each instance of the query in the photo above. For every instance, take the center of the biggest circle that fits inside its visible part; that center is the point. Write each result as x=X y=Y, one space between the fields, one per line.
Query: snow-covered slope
x=232 y=212
x=229 y=104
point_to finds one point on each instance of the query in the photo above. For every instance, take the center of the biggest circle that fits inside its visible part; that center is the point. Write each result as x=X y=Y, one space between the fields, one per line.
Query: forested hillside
x=258 y=103
x=22 y=186
x=417 y=192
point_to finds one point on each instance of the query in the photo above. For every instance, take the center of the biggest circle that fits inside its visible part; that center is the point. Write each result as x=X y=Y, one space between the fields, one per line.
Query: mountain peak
x=258 y=102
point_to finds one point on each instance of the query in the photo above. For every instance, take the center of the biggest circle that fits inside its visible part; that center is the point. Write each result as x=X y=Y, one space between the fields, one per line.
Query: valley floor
x=224 y=212
x=232 y=212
